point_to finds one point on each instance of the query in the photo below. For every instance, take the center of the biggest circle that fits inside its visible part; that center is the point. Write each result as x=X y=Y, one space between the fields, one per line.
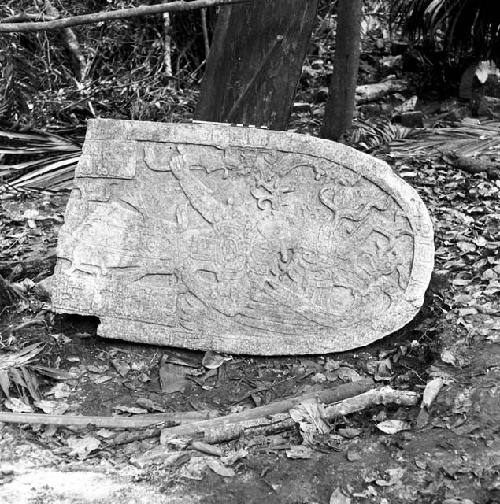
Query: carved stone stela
x=239 y=240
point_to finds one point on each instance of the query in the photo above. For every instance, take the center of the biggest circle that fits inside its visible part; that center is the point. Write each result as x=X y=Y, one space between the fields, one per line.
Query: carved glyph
x=239 y=240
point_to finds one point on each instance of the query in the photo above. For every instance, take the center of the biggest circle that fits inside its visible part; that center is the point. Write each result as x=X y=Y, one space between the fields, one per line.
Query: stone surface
x=239 y=240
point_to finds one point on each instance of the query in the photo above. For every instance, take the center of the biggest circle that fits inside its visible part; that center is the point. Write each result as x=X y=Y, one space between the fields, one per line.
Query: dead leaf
x=353 y=455
x=177 y=357
x=4 y=382
x=16 y=359
x=49 y=430
x=448 y=357
x=299 y=452
x=52 y=407
x=82 y=447
x=466 y=247
x=348 y=374
x=31 y=382
x=60 y=391
x=165 y=456
x=97 y=369
x=431 y=391
x=421 y=464
x=219 y=468
x=17 y=405
x=105 y=433
x=232 y=457
x=338 y=497
x=101 y=379
x=133 y=410
x=393 y=426
x=148 y=404
x=173 y=377
x=122 y=367
x=56 y=374
x=422 y=418
x=319 y=378
x=213 y=360
x=395 y=476
x=309 y=415
x=349 y=432
x=206 y=448
x=332 y=365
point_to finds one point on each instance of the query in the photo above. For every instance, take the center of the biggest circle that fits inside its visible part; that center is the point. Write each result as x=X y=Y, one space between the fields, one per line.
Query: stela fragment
x=239 y=240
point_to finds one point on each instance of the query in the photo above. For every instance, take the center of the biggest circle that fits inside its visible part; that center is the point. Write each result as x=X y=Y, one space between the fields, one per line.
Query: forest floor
x=384 y=454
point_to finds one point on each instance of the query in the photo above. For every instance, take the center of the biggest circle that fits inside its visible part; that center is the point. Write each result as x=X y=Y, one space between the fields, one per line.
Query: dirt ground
x=452 y=457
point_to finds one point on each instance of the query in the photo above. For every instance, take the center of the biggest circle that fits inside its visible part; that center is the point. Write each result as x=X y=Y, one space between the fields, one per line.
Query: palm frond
x=463 y=25
x=372 y=133
x=481 y=140
x=35 y=161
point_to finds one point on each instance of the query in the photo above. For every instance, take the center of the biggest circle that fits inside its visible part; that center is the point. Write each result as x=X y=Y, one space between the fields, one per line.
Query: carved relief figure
x=200 y=239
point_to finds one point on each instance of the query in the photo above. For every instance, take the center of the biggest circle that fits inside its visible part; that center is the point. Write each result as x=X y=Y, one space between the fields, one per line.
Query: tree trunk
x=255 y=62
x=340 y=105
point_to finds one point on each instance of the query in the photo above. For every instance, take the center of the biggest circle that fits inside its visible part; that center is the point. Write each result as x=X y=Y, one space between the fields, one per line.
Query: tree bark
x=255 y=62
x=340 y=105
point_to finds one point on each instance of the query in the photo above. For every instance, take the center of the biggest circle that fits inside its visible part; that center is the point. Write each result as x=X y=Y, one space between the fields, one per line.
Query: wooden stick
x=97 y=17
x=231 y=426
x=384 y=395
x=114 y=422
x=283 y=421
x=220 y=429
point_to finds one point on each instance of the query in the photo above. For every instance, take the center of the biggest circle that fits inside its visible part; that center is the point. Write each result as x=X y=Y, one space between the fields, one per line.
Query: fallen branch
x=384 y=395
x=371 y=92
x=97 y=17
x=114 y=422
x=268 y=417
x=473 y=165
x=27 y=16
x=230 y=427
